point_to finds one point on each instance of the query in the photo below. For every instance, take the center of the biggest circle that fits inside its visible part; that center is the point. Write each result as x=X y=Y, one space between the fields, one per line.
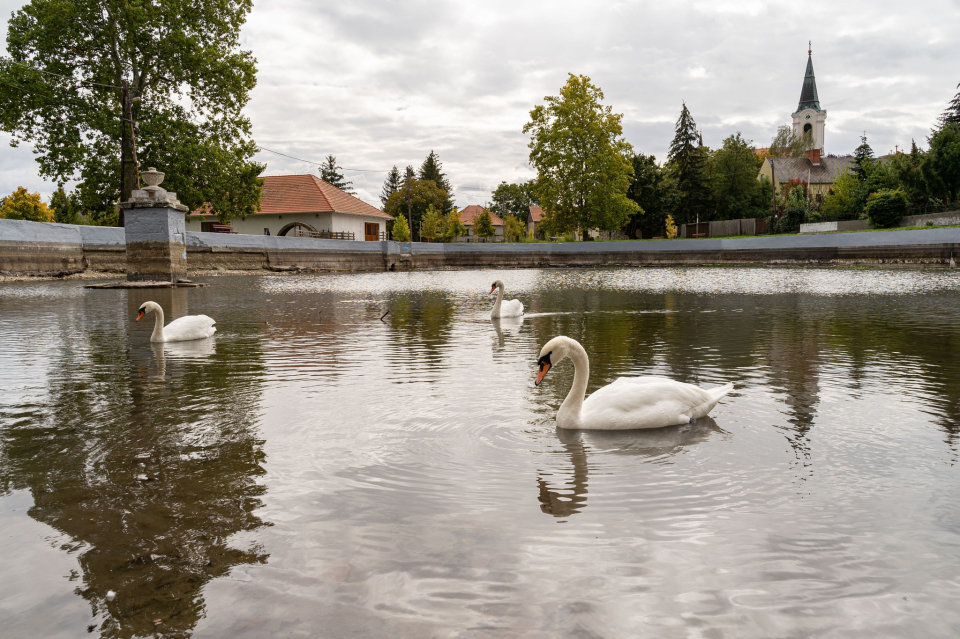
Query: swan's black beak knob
x=493 y=288
x=140 y=314
x=545 y=365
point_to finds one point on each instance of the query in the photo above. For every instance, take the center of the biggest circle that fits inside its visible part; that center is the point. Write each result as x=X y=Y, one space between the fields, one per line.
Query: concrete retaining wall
x=32 y=248
x=934 y=219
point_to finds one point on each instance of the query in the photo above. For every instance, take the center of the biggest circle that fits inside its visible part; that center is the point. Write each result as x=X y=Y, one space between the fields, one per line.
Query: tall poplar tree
x=61 y=91
x=687 y=163
x=582 y=161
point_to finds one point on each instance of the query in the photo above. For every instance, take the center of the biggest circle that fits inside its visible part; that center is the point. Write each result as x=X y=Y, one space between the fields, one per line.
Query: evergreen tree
x=687 y=162
x=432 y=169
x=66 y=207
x=330 y=173
x=483 y=225
x=952 y=114
x=390 y=186
x=862 y=159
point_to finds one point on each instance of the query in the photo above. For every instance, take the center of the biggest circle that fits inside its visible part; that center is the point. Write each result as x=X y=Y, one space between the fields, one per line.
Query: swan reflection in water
x=570 y=498
x=509 y=326
x=197 y=349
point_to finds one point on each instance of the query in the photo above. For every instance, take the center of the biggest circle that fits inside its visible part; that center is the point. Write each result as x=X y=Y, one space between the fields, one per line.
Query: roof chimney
x=814 y=156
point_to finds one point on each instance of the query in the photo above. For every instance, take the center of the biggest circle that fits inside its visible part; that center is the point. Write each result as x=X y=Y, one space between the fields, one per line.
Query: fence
x=327 y=235
x=725 y=228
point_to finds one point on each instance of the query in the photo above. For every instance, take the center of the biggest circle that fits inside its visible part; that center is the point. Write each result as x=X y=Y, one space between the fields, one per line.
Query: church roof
x=808 y=95
x=827 y=172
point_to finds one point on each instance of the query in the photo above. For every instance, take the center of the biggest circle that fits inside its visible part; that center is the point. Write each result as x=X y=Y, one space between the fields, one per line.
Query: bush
x=886 y=207
x=401 y=230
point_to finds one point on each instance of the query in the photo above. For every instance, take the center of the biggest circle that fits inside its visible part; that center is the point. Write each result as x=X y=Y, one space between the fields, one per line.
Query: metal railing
x=324 y=235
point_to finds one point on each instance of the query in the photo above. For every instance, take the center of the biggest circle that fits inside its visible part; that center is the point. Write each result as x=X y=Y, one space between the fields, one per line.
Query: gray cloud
x=381 y=83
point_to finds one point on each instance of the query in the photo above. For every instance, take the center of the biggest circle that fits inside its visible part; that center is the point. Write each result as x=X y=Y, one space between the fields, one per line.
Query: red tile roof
x=469 y=215
x=310 y=194
x=536 y=213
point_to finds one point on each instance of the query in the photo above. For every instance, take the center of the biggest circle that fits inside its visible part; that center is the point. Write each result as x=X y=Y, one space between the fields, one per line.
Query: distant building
x=533 y=218
x=817 y=173
x=303 y=205
x=469 y=216
x=809 y=118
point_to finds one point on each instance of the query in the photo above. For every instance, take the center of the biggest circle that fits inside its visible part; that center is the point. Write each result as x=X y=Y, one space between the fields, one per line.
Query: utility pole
x=129 y=168
x=409 y=203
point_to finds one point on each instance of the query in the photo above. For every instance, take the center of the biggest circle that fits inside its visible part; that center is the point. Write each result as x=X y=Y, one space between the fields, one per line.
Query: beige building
x=817 y=173
x=533 y=218
x=469 y=216
x=303 y=205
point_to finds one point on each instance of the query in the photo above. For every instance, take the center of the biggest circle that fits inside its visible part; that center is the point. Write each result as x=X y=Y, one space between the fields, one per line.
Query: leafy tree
x=687 y=163
x=844 y=201
x=654 y=191
x=422 y=194
x=432 y=169
x=514 y=229
x=581 y=158
x=952 y=114
x=61 y=91
x=862 y=159
x=907 y=170
x=671 y=227
x=432 y=226
x=886 y=207
x=453 y=226
x=390 y=186
x=945 y=160
x=736 y=192
x=787 y=144
x=514 y=200
x=796 y=207
x=66 y=207
x=23 y=205
x=330 y=173
x=401 y=230
x=483 y=225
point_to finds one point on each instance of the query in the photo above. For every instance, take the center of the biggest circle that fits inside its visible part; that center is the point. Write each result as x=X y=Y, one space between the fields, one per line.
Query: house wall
x=254 y=224
x=817 y=188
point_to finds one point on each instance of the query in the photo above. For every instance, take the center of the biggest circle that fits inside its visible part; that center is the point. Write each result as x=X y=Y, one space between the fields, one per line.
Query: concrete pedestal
x=155 y=230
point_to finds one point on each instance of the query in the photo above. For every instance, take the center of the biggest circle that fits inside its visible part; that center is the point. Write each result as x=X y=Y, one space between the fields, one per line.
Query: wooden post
x=129 y=170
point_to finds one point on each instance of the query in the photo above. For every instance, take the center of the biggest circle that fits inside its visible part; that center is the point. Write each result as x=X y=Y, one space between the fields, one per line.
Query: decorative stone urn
x=155 y=230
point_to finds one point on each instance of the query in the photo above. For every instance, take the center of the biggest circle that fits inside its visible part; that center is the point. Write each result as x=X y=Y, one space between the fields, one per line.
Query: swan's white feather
x=511 y=308
x=189 y=328
x=647 y=402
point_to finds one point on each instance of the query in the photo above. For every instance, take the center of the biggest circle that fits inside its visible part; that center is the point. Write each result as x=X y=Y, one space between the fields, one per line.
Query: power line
x=319 y=163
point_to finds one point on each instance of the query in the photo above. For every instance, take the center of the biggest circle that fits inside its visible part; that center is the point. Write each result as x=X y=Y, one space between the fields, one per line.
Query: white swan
x=179 y=330
x=510 y=308
x=627 y=403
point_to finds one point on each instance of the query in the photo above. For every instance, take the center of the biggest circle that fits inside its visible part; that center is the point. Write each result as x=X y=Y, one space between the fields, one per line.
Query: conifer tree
x=432 y=169
x=952 y=114
x=390 y=186
x=862 y=159
x=483 y=225
x=687 y=162
x=330 y=173
x=401 y=231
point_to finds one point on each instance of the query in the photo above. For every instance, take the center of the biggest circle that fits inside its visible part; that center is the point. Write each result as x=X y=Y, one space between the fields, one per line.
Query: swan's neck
x=569 y=412
x=496 y=305
x=157 y=335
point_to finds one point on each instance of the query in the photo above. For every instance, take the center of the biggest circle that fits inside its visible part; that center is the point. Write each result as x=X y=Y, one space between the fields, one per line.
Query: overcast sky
x=379 y=83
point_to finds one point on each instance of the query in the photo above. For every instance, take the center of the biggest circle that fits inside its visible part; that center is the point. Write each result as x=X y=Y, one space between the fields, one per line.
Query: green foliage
x=330 y=173
x=432 y=225
x=514 y=200
x=735 y=191
x=66 y=207
x=187 y=71
x=581 y=158
x=23 y=205
x=453 y=226
x=514 y=229
x=787 y=144
x=401 y=230
x=390 y=186
x=655 y=192
x=844 y=201
x=796 y=207
x=483 y=225
x=945 y=161
x=687 y=164
x=422 y=194
x=671 y=227
x=863 y=159
x=886 y=207
x=952 y=114
x=432 y=170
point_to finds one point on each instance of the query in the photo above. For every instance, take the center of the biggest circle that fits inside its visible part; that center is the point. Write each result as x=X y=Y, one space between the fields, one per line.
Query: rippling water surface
x=314 y=470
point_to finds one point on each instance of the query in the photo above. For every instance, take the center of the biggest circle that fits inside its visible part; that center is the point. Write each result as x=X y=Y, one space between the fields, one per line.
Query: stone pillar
x=156 y=234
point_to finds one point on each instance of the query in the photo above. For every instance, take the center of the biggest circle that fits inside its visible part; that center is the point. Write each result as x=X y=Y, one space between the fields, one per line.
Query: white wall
x=254 y=224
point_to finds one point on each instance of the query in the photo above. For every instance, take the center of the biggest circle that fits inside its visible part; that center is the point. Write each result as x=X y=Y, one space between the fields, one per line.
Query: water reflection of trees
x=423 y=323
x=563 y=494
x=149 y=477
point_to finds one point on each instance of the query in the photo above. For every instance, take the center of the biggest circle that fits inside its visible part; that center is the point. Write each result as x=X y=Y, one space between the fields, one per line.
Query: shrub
x=886 y=207
x=401 y=230
x=671 y=228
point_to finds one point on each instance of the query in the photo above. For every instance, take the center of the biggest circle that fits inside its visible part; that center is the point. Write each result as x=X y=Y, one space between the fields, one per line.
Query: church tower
x=809 y=117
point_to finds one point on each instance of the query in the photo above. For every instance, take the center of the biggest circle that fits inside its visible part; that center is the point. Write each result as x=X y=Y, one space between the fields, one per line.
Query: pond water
x=314 y=470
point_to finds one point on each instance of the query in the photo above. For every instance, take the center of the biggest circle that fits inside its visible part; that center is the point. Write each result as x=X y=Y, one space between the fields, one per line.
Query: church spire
x=808 y=95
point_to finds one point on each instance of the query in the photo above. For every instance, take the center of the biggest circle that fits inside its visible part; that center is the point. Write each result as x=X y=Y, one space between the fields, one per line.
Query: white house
x=304 y=205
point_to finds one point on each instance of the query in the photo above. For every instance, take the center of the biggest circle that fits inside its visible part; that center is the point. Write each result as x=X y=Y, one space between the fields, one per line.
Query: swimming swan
x=179 y=330
x=510 y=308
x=627 y=403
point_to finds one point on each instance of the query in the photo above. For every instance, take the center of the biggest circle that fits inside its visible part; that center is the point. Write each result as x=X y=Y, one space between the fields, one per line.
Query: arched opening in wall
x=807 y=128
x=293 y=225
